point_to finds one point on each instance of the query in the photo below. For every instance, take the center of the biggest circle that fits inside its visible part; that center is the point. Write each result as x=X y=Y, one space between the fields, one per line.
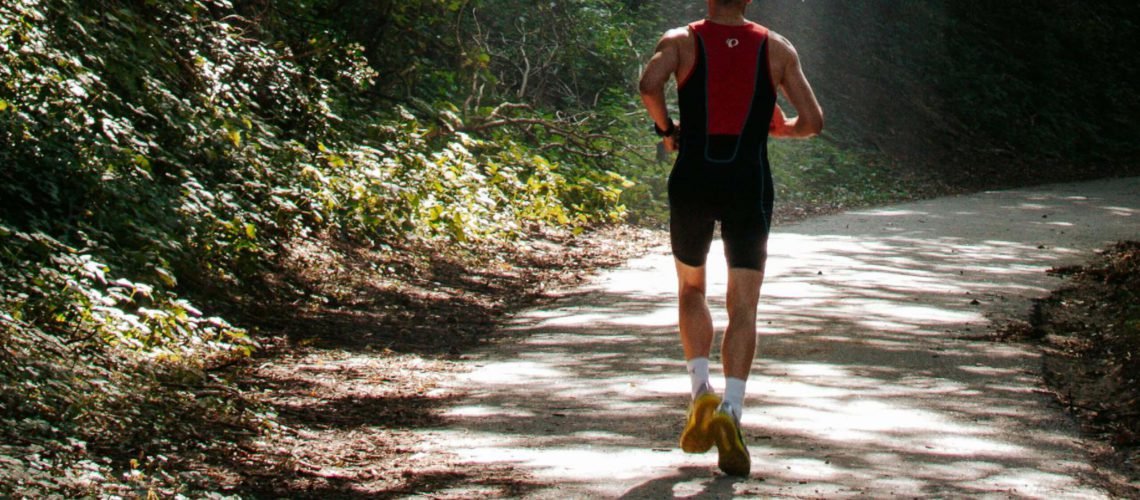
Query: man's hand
x=672 y=142
x=779 y=125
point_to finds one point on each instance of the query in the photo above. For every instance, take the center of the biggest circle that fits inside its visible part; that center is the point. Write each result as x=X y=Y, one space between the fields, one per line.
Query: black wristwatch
x=667 y=132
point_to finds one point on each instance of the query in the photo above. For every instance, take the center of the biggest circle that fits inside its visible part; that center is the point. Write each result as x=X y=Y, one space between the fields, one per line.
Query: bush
x=158 y=155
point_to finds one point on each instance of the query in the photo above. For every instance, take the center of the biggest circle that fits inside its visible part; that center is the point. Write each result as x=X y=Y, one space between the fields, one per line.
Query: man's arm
x=661 y=67
x=794 y=85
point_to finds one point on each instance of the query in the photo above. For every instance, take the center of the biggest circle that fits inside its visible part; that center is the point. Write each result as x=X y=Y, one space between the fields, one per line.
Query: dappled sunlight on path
x=864 y=382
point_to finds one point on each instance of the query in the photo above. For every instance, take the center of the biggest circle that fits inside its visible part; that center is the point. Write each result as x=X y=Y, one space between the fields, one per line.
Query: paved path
x=863 y=384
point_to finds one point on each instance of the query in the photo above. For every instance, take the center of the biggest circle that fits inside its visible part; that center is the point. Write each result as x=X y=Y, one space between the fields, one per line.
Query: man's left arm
x=795 y=86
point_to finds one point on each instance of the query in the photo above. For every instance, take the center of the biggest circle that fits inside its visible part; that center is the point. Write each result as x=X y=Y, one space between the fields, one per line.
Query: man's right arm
x=661 y=67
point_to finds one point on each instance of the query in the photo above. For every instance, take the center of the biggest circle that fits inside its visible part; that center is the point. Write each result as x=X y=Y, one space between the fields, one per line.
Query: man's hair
x=731 y=3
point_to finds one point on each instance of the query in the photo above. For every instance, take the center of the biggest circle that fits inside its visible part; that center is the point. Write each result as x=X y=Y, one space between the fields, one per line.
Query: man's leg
x=737 y=352
x=696 y=327
x=695 y=322
x=739 y=346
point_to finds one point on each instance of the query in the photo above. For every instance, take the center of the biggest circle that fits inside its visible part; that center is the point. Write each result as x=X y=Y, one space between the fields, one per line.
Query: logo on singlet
x=732 y=42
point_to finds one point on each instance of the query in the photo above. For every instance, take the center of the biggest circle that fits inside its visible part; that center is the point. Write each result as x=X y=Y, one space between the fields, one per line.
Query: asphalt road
x=865 y=383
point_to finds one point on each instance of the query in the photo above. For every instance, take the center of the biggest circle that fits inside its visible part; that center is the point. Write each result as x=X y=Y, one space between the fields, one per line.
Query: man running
x=728 y=71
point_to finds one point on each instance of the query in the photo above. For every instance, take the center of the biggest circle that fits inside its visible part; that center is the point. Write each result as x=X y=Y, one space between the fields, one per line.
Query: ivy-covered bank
x=158 y=155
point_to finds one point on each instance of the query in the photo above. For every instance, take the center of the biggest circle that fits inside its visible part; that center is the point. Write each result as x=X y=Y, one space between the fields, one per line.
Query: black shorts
x=738 y=194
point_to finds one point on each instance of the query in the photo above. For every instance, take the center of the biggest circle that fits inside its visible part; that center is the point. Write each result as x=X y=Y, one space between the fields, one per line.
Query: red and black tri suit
x=722 y=173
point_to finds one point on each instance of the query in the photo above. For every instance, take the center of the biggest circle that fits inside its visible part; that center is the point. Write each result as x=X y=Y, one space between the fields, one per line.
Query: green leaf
x=434 y=213
x=165 y=276
x=142 y=162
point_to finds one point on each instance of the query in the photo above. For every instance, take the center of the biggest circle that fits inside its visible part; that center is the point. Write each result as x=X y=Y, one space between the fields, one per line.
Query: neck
x=725 y=15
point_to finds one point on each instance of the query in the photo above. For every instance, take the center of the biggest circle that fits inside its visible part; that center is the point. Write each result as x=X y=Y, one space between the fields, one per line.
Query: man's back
x=727 y=98
x=676 y=54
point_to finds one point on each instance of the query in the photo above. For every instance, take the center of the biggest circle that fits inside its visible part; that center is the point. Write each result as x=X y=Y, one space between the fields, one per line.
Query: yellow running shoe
x=733 y=458
x=696 y=438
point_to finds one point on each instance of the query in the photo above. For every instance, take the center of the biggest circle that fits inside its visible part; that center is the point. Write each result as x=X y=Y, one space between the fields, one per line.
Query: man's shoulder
x=780 y=48
x=677 y=38
x=780 y=41
x=677 y=34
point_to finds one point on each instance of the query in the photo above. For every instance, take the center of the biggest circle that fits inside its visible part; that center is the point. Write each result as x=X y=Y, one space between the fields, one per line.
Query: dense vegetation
x=163 y=152
x=159 y=155
x=977 y=91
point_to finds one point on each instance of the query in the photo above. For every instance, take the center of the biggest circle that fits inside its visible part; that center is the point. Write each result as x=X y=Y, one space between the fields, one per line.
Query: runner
x=728 y=70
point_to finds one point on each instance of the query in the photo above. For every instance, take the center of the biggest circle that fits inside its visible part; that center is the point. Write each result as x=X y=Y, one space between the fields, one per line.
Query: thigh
x=691 y=226
x=744 y=227
x=692 y=218
x=745 y=241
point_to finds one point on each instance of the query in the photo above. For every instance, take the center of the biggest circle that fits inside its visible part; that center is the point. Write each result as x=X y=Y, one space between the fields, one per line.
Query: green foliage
x=159 y=154
x=564 y=54
x=459 y=187
x=821 y=174
x=68 y=293
x=1045 y=77
x=86 y=369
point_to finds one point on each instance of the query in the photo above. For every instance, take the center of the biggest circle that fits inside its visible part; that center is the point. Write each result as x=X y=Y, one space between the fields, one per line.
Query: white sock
x=734 y=395
x=699 y=375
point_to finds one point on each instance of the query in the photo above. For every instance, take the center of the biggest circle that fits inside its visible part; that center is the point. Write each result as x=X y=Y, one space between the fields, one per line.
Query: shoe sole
x=696 y=438
x=732 y=453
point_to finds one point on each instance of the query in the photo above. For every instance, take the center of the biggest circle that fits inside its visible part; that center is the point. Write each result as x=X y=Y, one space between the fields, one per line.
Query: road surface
x=866 y=381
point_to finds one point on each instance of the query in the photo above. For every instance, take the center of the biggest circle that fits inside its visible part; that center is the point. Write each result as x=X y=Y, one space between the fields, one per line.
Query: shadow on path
x=864 y=383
